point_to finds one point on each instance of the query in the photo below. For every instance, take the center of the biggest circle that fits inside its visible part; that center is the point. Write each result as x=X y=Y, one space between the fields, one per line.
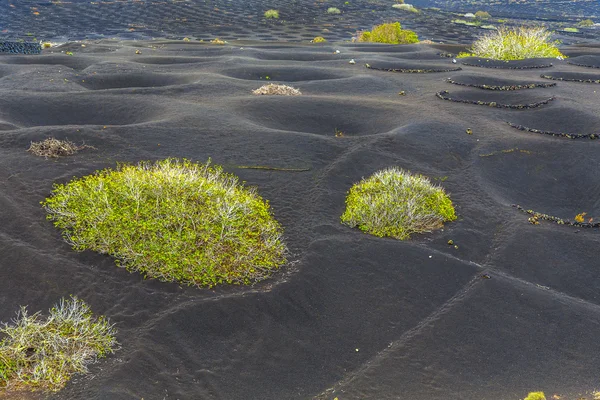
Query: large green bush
x=394 y=203
x=171 y=220
x=515 y=44
x=391 y=33
x=44 y=353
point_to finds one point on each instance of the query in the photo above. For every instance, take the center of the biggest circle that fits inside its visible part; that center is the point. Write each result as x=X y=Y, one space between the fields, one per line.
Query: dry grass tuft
x=52 y=147
x=279 y=90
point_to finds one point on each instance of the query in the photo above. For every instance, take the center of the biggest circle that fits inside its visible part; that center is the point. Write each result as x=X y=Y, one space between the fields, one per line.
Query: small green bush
x=391 y=33
x=585 y=23
x=319 y=39
x=394 y=203
x=535 y=396
x=271 y=14
x=571 y=29
x=171 y=220
x=406 y=7
x=43 y=353
x=481 y=15
x=333 y=10
x=515 y=44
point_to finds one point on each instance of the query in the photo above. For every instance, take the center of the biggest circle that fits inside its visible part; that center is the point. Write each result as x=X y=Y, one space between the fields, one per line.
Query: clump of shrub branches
x=173 y=220
x=394 y=203
x=43 y=353
x=275 y=89
x=515 y=44
x=53 y=148
x=391 y=33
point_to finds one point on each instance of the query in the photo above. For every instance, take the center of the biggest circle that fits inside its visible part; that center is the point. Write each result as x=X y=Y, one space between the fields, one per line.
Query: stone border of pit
x=499 y=67
x=592 y=136
x=413 y=71
x=504 y=88
x=493 y=103
x=545 y=217
x=570 y=80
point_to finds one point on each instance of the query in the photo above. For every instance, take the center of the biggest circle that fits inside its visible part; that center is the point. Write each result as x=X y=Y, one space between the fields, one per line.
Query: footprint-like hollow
x=326 y=117
x=134 y=80
x=409 y=66
x=170 y=60
x=498 y=99
x=25 y=110
x=559 y=121
x=494 y=83
x=589 y=61
x=583 y=77
x=285 y=74
x=76 y=63
x=513 y=64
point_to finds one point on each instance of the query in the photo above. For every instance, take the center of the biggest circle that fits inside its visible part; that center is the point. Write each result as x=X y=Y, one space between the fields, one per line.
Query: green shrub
x=391 y=33
x=535 y=396
x=394 y=203
x=171 y=220
x=405 y=7
x=585 y=23
x=333 y=10
x=43 y=353
x=570 y=29
x=319 y=39
x=515 y=44
x=271 y=14
x=482 y=15
x=465 y=22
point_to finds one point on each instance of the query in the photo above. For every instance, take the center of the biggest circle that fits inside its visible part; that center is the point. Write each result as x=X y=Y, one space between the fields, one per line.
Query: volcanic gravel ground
x=513 y=308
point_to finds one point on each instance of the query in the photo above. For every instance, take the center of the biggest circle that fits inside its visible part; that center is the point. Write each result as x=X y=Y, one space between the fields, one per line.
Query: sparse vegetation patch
x=406 y=7
x=515 y=44
x=391 y=33
x=172 y=220
x=395 y=203
x=272 y=14
x=319 y=39
x=274 y=89
x=333 y=10
x=43 y=353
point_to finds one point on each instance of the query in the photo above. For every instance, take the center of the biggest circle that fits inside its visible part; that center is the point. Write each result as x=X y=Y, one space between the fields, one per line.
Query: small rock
x=352 y=62
x=336 y=52
x=469 y=131
x=402 y=93
x=454 y=61
x=450 y=242
x=138 y=52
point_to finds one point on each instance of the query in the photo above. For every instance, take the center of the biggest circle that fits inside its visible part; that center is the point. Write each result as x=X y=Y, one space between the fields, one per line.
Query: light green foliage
x=394 y=203
x=171 y=220
x=271 y=14
x=465 y=22
x=585 y=23
x=333 y=10
x=406 y=7
x=319 y=39
x=535 y=396
x=391 y=33
x=515 y=44
x=570 y=29
x=481 y=15
x=43 y=353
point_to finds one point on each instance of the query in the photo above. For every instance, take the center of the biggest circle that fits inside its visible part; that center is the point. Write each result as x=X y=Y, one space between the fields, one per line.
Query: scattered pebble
x=469 y=131
x=336 y=52
x=352 y=62
x=402 y=93
x=450 y=242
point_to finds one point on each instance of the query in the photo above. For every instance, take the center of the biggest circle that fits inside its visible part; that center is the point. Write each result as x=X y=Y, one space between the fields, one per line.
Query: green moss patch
x=391 y=33
x=43 y=353
x=172 y=220
x=394 y=203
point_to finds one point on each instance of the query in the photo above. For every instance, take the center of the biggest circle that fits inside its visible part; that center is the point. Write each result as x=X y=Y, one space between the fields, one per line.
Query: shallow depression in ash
x=76 y=109
x=326 y=117
x=278 y=73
